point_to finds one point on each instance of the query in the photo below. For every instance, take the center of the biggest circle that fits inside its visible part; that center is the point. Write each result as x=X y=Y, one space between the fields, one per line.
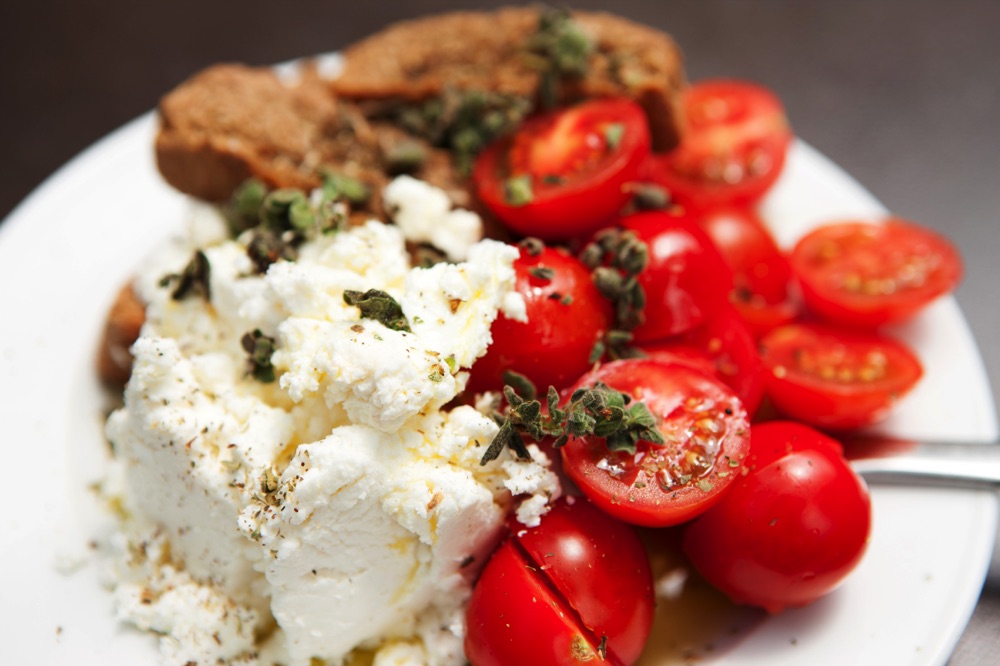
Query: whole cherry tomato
x=836 y=379
x=563 y=174
x=866 y=274
x=576 y=589
x=791 y=529
x=686 y=279
x=566 y=316
x=733 y=148
x=707 y=436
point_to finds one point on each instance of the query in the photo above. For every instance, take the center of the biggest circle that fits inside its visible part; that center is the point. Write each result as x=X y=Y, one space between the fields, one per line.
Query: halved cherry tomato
x=733 y=147
x=866 y=274
x=707 y=436
x=791 y=529
x=686 y=279
x=576 y=589
x=564 y=173
x=762 y=277
x=836 y=379
x=726 y=347
x=760 y=268
x=566 y=317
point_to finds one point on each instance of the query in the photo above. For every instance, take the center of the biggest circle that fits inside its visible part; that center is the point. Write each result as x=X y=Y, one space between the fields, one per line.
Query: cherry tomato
x=836 y=379
x=790 y=530
x=762 y=276
x=563 y=174
x=866 y=274
x=686 y=279
x=707 y=435
x=733 y=147
x=760 y=269
x=575 y=589
x=726 y=347
x=566 y=317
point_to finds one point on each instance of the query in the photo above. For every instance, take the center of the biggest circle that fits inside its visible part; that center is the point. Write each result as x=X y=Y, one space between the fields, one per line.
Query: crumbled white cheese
x=341 y=501
x=425 y=215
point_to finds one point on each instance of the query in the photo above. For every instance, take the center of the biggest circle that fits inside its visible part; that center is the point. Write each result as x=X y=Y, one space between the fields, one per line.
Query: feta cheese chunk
x=341 y=506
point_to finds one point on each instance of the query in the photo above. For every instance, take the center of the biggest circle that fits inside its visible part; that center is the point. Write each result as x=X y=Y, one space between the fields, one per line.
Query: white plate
x=68 y=247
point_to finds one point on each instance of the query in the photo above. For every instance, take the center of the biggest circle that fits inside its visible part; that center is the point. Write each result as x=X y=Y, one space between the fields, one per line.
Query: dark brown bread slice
x=230 y=122
x=124 y=322
x=417 y=59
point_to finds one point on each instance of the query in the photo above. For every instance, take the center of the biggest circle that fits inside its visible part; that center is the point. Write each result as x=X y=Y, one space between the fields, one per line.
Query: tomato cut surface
x=564 y=174
x=575 y=589
x=866 y=274
x=733 y=148
x=566 y=316
x=707 y=436
x=686 y=279
x=832 y=378
x=789 y=531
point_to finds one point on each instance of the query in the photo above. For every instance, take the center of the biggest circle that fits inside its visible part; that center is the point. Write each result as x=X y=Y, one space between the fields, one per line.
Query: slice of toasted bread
x=421 y=58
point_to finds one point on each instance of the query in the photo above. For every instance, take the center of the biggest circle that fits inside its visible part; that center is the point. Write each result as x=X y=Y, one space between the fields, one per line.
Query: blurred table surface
x=905 y=95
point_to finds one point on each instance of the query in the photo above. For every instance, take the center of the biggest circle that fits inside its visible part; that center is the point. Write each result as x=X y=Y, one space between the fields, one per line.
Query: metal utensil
x=954 y=465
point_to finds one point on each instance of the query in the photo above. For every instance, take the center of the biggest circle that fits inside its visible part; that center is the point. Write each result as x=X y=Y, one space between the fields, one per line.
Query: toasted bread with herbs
x=233 y=122
x=542 y=55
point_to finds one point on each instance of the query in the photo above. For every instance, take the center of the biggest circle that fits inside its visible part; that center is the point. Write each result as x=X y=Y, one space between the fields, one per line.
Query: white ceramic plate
x=65 y=251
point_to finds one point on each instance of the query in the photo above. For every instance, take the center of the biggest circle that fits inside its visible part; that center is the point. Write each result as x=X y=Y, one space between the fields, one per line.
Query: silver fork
x=954 y=465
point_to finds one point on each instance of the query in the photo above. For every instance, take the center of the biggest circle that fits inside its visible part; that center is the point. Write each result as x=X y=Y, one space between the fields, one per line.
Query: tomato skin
x=551 y=592
x=723 y=347
x=696 y=414
x=760 y=268
x=833 y=378
x=686 y=279
x=733 y=148
x=570 y=144
x=866 y=274
x=566 y=316
x=788 y=532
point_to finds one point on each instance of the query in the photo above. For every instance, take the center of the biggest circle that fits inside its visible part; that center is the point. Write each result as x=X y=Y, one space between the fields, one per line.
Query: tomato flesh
x=836 y=379
x=573 y=166
x=788 y=532
x=707 y=433
x=564 y=592
x=733 y=148
x=866 y=274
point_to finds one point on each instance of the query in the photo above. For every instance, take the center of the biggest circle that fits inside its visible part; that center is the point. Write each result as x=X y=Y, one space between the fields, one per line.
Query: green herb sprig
x=559 y=49
x=616 y=258
x=260 y=348
x=597 y=411
x=380 y=306
x=192 y=281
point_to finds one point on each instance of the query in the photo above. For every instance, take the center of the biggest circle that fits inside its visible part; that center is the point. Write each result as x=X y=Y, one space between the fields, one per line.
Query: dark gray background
x=905 y=95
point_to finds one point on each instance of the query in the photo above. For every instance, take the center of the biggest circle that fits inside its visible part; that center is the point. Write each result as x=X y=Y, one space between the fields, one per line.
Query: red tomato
x=707 y=433
x=867 y=274
x=761 y=318
x=760 y=269
x=566 y=317
x=789 y=531
x=563 y=592
x=686 y=279
x=726 y=347
x=835 y=379
x=564 y=173
x=733 y=147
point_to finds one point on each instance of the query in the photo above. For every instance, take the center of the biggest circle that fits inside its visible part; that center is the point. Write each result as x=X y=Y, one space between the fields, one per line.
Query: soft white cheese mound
x=341 y=506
